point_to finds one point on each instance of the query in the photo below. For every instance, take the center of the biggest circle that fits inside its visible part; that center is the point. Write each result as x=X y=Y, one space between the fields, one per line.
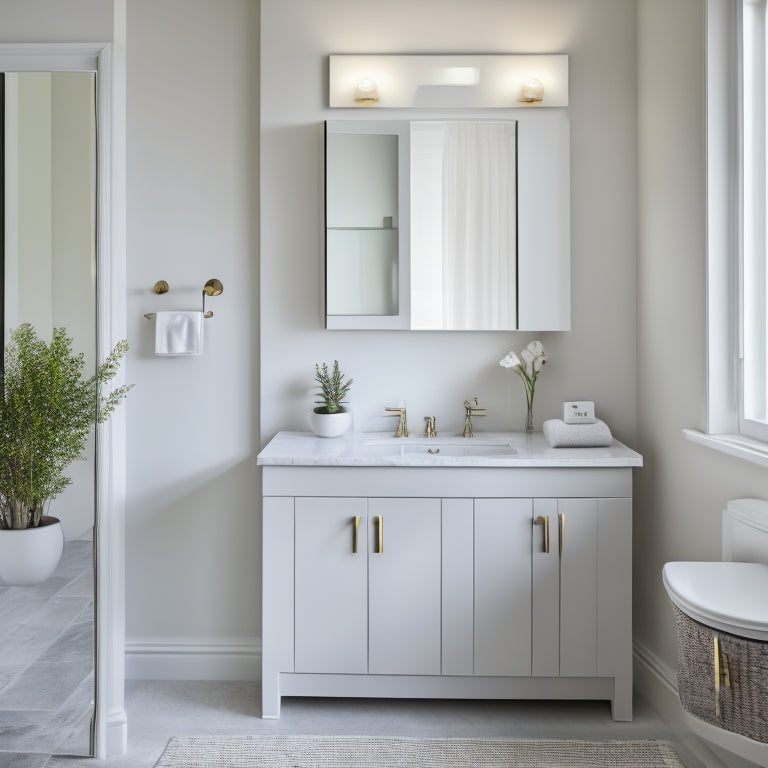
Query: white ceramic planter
x=330 y=424
x=30 y=556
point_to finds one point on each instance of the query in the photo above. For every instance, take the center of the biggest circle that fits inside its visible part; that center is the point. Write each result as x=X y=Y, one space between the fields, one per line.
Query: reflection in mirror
x=464 y=225
x=361 y=224
x=47 y=632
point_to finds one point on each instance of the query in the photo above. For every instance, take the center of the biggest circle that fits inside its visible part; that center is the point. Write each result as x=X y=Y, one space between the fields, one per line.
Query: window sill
x=739 y=446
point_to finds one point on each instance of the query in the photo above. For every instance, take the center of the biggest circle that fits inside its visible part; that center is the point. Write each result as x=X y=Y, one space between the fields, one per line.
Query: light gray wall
x=192 y=532
x=53 y=21
x=435 y=372
x=683 y=487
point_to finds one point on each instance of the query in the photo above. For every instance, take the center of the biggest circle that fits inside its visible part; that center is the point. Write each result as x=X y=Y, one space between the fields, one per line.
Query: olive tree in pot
x=47 y=411
x=330 y=418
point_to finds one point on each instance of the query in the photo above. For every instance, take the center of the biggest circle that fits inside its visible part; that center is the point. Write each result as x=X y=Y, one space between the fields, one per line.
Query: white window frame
x=731 y=227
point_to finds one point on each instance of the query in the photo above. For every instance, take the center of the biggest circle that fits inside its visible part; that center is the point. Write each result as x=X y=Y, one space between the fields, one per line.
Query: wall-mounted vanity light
x=462 y=81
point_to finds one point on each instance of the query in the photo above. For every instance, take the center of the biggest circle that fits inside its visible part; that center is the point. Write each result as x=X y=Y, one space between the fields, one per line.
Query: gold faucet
x=402 y=424
x=470 y=410
x=429 y=429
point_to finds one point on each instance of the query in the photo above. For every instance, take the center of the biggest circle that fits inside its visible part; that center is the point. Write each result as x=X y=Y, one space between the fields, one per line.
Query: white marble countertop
x=485 y=449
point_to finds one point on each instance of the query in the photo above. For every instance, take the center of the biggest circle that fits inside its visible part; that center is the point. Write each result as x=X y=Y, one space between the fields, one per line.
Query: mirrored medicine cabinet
x=448 y=224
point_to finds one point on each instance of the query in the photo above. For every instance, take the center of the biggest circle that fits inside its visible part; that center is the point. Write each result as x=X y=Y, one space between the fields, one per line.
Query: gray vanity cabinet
x=514 y=584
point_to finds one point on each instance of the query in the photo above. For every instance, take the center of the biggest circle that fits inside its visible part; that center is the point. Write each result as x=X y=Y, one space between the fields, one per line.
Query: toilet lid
x=732 y=597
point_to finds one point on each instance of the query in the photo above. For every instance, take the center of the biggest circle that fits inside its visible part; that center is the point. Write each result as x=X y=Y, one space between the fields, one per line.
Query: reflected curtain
x=479 y=226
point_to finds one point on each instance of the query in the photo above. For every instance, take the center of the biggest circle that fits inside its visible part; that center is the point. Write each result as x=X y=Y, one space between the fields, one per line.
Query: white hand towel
x=179 y=333
x=562 y=435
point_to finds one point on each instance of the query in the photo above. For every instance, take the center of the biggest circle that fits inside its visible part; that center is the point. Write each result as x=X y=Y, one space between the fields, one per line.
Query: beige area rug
x=365 y=752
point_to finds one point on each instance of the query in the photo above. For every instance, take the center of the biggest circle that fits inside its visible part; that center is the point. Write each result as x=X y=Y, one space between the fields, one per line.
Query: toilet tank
x=745 y=531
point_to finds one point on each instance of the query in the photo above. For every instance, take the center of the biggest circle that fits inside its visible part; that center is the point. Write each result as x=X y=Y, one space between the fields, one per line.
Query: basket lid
x=732 y=597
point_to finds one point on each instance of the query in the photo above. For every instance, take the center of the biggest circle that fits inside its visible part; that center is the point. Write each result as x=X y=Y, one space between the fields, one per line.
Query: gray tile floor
x=46 y=663
x=159 y=710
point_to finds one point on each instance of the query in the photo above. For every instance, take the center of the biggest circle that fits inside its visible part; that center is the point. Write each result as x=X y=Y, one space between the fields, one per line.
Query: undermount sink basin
x=458 y=450
x=442 y=446
x=455 y=441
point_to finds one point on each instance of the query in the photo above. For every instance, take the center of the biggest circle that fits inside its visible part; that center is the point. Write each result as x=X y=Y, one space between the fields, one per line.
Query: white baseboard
x=656 y=681
x=116 y=739
x=201 y=659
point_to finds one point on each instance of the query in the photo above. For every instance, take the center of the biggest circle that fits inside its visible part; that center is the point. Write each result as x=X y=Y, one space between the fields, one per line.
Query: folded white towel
x=179 y=333
x=562 y=435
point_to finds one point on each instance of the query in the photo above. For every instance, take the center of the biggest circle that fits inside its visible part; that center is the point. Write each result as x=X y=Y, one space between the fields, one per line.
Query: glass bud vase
x=529 y=410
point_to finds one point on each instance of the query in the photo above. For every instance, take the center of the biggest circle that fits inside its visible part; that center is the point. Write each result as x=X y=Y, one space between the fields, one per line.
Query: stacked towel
x=562 y=435
x=179 y=333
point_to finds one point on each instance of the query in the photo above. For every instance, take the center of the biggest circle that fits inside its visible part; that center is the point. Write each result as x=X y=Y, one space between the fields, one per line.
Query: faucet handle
x=472 y=408
x=402 y=423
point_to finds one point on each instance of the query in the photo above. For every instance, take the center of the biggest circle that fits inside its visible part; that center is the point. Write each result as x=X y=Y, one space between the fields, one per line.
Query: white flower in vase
x=528 y=369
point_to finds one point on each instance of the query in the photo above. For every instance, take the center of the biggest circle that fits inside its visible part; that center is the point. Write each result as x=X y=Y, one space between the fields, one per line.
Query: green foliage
x=47 y=412
x=333 y=388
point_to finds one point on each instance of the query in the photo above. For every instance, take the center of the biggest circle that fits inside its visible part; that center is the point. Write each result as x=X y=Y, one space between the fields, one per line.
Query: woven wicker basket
x=722 y=678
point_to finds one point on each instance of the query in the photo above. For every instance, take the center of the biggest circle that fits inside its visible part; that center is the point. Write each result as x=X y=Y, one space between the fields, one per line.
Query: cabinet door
x=503 y=539
x=404 y=586
x=331 y=585
x=577 y=528
x=458 y=586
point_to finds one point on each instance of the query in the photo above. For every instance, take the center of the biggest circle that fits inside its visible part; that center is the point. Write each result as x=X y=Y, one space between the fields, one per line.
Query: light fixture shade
x=366 y=91
x=532 y=90
x=463 y=81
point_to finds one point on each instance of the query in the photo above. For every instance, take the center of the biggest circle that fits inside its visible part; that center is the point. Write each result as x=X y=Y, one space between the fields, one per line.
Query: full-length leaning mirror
x=448 y=224
x=47 y=631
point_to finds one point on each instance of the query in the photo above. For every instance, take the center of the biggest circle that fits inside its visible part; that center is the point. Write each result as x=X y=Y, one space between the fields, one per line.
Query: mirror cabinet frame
x=543 y=221
x=401 y=320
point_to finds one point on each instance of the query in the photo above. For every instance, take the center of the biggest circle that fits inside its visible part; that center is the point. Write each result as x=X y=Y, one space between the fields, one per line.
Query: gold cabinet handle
x=355 y=527
x=544 y=520
x=561 y=525
x=716 y=654
x=379 y=535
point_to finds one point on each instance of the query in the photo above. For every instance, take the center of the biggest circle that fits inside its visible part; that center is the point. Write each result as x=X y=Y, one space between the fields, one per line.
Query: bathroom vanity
x=485 y=567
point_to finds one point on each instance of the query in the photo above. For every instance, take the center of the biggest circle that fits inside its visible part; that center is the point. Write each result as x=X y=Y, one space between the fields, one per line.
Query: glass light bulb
x=366 y=92
x=531 y=89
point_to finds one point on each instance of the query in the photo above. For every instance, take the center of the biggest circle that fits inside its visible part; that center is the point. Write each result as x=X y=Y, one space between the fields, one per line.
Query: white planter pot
x=330 y=424
x=29 y=556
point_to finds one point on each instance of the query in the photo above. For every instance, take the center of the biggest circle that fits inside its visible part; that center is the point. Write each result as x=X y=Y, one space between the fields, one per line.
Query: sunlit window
x=754 y=198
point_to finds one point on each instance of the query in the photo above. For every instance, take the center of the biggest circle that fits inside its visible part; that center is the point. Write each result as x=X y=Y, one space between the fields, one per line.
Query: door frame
x=110 y=722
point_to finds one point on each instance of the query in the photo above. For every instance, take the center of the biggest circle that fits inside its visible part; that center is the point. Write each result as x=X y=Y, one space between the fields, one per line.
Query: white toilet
x=722 y=618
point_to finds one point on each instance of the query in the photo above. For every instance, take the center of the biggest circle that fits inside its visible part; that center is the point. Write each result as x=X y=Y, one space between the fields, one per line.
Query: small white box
x=579 y=412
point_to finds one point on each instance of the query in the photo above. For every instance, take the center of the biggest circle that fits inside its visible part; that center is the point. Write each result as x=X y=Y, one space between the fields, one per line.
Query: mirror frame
x=543 y=224
x=402 y=320
x=109 y=734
